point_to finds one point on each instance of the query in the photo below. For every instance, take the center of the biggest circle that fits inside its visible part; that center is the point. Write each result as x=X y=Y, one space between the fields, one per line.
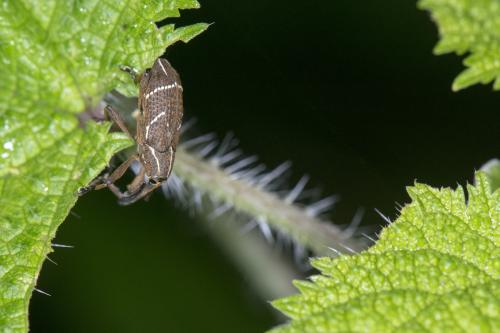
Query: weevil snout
x=158 y=165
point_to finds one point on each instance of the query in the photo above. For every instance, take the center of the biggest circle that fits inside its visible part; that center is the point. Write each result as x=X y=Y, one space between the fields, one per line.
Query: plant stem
x=244 y=197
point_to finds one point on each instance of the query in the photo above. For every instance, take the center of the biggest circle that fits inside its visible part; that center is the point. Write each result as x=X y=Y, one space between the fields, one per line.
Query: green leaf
x=58 y=58
x=472 y=27
x=435 y=269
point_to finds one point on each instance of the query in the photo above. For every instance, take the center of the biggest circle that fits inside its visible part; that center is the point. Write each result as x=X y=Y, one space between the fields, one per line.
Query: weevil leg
x=108 y=179
x=126 y=196
x=132 y=71
x=96 y=181
x=105 y=181
x=116 y=191
x=135 y=191
x=116 y=117
x=136 y=184
x=92 y=185
x=147 y=188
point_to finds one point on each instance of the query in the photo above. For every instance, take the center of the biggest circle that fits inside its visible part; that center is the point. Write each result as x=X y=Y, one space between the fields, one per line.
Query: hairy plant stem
x=290 y=219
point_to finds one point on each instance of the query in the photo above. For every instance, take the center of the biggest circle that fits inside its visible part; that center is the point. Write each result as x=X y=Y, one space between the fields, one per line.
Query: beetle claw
x=83 y=190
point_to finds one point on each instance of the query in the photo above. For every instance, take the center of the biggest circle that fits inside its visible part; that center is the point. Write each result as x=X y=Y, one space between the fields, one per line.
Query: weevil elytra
x=157 y=134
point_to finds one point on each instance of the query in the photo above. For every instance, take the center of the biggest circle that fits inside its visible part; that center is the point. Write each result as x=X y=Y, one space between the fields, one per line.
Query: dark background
x=347 y=90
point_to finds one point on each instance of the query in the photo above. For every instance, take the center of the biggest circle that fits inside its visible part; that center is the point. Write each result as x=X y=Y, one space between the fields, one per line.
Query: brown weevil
x=157 y=133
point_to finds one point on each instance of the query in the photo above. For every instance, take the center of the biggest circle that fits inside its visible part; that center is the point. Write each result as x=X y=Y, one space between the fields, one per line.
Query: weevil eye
x=153 y=181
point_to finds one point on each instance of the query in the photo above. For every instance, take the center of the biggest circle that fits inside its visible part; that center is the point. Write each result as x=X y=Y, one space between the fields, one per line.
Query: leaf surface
x=470 y=27
x=435 y=269
x=58 y=58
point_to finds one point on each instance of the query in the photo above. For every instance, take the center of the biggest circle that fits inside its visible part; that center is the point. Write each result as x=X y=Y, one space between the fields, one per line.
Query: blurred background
x=348 y=91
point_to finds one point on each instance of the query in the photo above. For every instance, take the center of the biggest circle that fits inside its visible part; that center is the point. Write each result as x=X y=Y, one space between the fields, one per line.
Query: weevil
x=157 y=133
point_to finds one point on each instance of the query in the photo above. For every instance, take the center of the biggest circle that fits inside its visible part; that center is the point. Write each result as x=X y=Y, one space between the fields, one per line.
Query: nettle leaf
x=58 y=58
x=435 y=269
x=469 y=27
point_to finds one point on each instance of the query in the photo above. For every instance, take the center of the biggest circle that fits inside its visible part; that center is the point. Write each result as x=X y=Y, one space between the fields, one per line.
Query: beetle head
x=158 y=165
